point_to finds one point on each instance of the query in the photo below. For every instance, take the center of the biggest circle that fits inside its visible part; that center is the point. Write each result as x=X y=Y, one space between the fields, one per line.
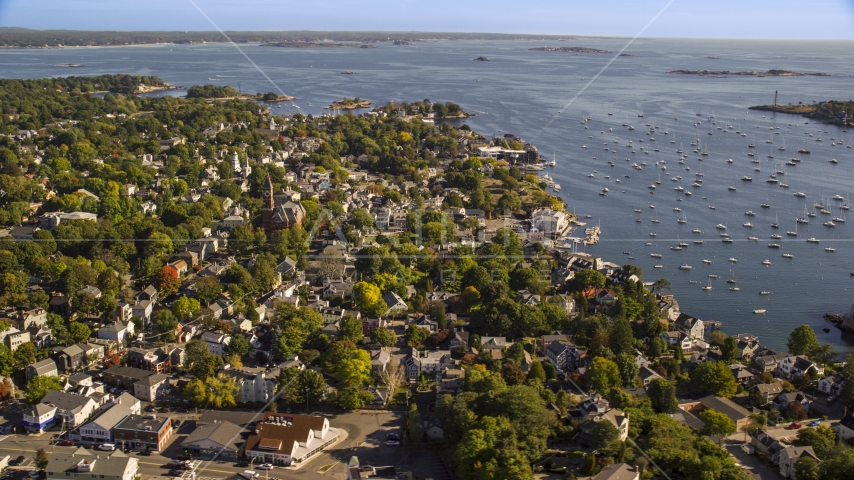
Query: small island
x=350 y=104
x=69 y=65
x=711 y=58
x=832 y=111
x=755 y=73
x=214 y=92
x=317 y=45
x=570 y=49
x=482 y=59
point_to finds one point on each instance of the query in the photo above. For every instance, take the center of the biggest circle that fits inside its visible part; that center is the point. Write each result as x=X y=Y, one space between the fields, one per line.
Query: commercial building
x=221 y=439
x=86 y=465
x=143 y=431
x=284 y=439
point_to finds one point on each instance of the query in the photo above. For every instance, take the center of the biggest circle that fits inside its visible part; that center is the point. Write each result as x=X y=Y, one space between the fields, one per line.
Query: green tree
x=215 y=392
x=185 y=307
x=629 y=369
x=604 y=436
x=383 y=337
x=414 y=424
x=25 y=355
x=714 y=378
x=717 y=423
x=354 y=369
x=662 y=395
x=729 y=350
x=657 y=347
x=515 y=354
x=368 y=298
x=350 y=328
x=513 y=374
x=39 y=386
x=415 y=335
x=238 y=346
x=41 y=459
x=537 y=373
x=806 y=469
x=588 y=278
x=165 y=324
x=621 y=339
x=802 y=341
x=208 y=289
x=603 y=375
x=822 y=439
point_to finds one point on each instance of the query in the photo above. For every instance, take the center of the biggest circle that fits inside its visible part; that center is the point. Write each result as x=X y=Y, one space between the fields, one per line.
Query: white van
x=108 y=447
x=250 y=474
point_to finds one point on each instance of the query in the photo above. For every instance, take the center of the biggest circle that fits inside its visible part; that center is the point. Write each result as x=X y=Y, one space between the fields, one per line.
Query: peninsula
x=317 y=45
x=14 y=37
x=755 y=73
x=350 y=104
x=832 y=111
x=570 y=49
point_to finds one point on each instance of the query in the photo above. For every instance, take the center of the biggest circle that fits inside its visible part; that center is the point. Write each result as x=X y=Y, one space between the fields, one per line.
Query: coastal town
x=201 y=288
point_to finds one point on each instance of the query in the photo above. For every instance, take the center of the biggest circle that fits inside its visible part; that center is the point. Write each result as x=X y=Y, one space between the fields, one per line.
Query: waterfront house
x=692 y=326
x=793 y=367
x=747 y=344
x=831 y=384
x=769 y=362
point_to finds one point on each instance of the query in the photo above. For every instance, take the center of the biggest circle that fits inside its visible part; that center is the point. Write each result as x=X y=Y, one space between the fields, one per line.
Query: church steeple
x=269 y=202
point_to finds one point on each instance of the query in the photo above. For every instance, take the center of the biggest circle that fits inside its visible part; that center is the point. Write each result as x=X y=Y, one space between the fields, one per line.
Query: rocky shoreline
x=832 y=112
x=754 y=73
x=570 y=49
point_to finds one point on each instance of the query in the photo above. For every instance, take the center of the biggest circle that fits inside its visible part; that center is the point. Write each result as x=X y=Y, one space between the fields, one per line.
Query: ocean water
x=543 y=97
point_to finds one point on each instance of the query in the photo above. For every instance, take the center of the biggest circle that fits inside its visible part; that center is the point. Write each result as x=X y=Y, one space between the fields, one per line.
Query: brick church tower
x=269 y=206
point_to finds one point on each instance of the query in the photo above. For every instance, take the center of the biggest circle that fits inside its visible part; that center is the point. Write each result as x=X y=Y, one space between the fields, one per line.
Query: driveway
x=750 y=463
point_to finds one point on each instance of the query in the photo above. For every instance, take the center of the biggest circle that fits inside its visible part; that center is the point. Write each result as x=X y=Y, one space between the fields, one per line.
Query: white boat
x=734 y=289
x=760 y=311
x=766 y=262
x=764 y=292
x=812 y=240
x=753 y=239
x=733 y=259
x=788 y=255
x=696 y=230
x=829 y=249
x=720 y=226
x=707 y=262
x=685 y=267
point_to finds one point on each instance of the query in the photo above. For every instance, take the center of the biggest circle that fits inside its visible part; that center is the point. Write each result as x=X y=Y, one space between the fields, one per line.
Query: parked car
x=242 y=464
x=266 y=466
x=18 y=460
x=151 y=408
x=392 y=442
x=831 y=398
x=814 y=423
x=65 y=443
x=173 y=463
x=795 y=425
x=145 y=453
x=392 y=436
x=165 y=409
x=747 y=448
x=175 y=473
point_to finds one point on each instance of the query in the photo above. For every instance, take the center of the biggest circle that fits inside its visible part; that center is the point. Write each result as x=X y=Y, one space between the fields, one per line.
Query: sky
x=749 y=19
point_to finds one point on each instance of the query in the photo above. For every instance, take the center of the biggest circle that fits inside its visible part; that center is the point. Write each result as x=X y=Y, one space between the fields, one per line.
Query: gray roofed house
x=44 y=367
x=492 y=343
x=73 y=408
x=618 y=471
x=763 y=393
x=80 y=463
x=222 y=437
x=100 y=429
x=394 y=303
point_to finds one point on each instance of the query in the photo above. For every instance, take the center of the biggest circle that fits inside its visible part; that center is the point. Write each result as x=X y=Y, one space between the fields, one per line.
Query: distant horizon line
x=506 y=36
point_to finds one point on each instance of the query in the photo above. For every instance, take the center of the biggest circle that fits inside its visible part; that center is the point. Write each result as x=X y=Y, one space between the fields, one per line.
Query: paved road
x=366 y=434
